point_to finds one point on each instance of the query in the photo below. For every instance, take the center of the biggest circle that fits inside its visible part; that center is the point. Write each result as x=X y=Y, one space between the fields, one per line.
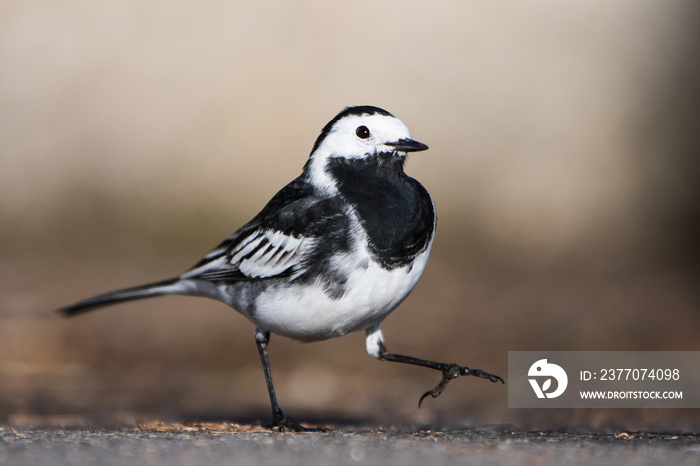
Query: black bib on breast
x=395 y=210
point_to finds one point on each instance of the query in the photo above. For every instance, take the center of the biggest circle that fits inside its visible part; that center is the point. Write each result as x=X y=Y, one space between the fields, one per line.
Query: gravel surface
x=224 y=443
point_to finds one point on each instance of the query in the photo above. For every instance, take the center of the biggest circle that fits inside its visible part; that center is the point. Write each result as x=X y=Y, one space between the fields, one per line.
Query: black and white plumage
x=334 y=251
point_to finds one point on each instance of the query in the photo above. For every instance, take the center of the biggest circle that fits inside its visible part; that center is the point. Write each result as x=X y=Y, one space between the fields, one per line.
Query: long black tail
x=114 y=297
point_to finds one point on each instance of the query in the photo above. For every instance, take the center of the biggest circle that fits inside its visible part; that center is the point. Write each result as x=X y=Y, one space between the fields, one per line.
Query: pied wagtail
x=335 y=251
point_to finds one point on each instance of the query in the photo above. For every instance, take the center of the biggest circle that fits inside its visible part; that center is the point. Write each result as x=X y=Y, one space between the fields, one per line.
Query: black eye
x=362 y=132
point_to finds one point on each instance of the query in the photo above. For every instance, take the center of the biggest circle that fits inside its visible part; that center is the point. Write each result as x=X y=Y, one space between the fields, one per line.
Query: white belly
x=309 y=313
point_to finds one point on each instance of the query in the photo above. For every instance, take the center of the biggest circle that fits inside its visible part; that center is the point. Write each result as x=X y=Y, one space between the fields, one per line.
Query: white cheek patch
x=342 y=141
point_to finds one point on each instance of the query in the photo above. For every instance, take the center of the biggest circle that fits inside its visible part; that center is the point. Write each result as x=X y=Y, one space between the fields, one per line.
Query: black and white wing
x=256 y=253
x=282 y=240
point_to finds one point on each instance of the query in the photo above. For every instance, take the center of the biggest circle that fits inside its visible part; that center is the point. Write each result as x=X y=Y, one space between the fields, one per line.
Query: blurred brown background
x=135 y=136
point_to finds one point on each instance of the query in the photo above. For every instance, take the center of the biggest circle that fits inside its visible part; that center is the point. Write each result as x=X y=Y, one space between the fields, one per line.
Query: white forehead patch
x=343 y=141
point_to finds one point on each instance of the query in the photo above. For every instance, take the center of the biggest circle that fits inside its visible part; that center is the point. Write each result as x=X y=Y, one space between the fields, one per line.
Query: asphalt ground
x=160 y=443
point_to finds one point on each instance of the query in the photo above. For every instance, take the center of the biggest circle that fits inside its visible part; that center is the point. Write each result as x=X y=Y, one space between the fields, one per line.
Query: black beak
x=407 y=145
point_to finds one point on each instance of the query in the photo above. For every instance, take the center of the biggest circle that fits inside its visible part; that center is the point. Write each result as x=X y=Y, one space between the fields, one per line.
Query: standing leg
x=279 y=419
x=376 y=348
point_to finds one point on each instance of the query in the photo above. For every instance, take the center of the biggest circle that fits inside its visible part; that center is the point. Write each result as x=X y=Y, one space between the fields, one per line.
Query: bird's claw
x=283 y=424
x=452 y=371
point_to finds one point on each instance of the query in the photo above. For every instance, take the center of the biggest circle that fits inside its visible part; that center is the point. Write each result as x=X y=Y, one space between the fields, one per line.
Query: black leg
x=279 y=419
x=449 y=370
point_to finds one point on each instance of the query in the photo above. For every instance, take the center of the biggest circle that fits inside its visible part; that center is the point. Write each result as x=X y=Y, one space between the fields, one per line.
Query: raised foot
x=452 y=371
x=283 y=423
